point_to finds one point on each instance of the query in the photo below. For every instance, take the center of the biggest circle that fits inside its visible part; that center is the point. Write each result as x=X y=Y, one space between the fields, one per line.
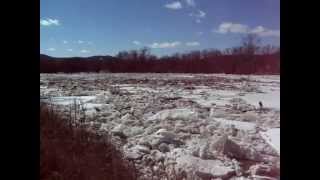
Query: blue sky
x=104 y=27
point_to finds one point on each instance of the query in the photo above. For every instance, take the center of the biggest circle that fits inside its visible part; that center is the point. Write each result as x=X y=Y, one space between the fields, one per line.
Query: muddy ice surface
x=179 y=126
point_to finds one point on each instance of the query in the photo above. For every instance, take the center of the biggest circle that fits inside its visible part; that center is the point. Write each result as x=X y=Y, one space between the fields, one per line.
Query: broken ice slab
x=205 y=169
x=67 y=100
x=246 y=126
x=183 y=114
x=272 y=137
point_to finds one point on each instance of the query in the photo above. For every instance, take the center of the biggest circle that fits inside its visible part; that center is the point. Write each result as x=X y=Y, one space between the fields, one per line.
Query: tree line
x=248 y=58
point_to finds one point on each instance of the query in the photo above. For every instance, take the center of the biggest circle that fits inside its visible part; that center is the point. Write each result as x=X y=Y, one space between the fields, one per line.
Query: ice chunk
x=205 y=169
x=183 y=114
x=246 y=126
x=67 y=100
x=272 y=136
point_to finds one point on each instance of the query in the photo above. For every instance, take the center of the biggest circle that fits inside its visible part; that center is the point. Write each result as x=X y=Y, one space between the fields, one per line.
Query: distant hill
x=92 y=58
x=46 y=57
x=50 y=64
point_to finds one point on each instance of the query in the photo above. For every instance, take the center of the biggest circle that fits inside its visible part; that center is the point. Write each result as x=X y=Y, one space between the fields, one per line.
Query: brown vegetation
x=229 y=64
x=73 y=153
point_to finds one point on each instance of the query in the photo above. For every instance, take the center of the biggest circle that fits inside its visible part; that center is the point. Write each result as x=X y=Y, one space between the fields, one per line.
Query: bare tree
x=123 y=55
x=227 y=51
x=133 y=55
x=250 y=47
x=250 y=44
x=237 y=50
x=195 y=55
x=277 y=52
x=144 y=53
x=177 y=56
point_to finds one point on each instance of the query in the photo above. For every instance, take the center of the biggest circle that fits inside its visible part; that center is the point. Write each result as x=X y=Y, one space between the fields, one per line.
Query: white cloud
x=228 y=27
x=65 y=42
x=261 y=31
x=136 y=43
x=51 y=49
x=199 y=33
x=90 y=43
x=70 y=50
x=80 y=42
x=192 y=44
x=258 y=29
x=174 y=5
x=199 y=14
x=191 y=3
x=84 y=51
x=165 y=44
x=49 y=22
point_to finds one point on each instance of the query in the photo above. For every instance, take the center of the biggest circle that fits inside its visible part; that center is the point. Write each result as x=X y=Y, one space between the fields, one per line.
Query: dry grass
x=73 y=153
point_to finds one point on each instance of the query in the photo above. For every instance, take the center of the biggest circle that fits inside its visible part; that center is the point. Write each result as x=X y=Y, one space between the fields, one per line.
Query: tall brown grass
x=73 y=153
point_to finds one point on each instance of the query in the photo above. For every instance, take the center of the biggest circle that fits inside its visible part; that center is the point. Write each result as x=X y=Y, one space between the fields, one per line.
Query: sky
x=105 y=27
